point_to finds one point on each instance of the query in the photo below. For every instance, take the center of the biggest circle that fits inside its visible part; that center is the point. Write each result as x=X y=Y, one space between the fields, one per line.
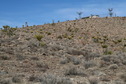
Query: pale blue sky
x=37 y=12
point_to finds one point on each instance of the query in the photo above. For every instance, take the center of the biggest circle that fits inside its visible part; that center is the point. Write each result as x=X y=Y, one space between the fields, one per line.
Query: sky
x=37 y=12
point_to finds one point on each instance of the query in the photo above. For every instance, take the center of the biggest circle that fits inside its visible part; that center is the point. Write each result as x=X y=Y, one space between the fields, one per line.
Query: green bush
x=39 y=37
x=48 y=33
x=104 y=46
x=60 y=37
x=42 y=44
x=95 y=39
x=65 y=35
x=108 y=52
x=69 y=37
x=120 y=40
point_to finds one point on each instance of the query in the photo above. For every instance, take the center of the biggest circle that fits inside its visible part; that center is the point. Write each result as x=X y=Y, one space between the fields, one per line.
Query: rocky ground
x=86 y=51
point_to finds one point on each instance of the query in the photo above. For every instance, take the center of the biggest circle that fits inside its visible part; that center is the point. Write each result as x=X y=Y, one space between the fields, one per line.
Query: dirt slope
x=86 y=51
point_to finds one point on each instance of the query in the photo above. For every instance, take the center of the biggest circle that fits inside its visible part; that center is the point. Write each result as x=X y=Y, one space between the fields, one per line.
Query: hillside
x=86 y=51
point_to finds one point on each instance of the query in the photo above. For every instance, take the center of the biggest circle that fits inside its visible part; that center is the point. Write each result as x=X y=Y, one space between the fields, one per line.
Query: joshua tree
x=26 y=24
x=8 y=30
x=79 y=13
x=53 y=22
x=110 y=11
x=22 y=26
x=16 y=27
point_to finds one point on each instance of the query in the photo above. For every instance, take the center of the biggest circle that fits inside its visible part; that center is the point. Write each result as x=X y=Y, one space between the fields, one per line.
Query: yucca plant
x=8 y=30
x=39 y=37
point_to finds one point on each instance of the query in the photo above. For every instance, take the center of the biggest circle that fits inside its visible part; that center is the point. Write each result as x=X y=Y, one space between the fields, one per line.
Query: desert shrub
x=33 y=44
x=60 y=37
x=9 y=50
x=112 y=59
x=65 y=35
x=69 y=29
x=120 y=40
x=4 y=57
x=75 y=52
x=5 y=81
x=55 y=47
x=42 y=44
x=28 y=39
x=107 y=52
x=76 y=29
x=41 y=30
x=13 y=29
x=20 y=57
x=115 y=60
x=123 y=76
x=106 y=58
x=80 y=38
x=64 y=60
x=34 y=58
x=39 y=37
x=89 y=56
x=31 y=31
x=104 y=63
x=52 y=79
x=72 y=30
x=93 y=80
x=104 y=78
x=124 y=45
x=74 y=71
x=17 y=79
x=48 y=33
x=124 y=62
x=113 y=66
x=115 y=42
x=34 y=78
x=75 y=60
x=69 y=37
x=94 y=55
x=95 y=39
x=89 y=64
x=42 y=66
x=104 y=46
x=118 y=82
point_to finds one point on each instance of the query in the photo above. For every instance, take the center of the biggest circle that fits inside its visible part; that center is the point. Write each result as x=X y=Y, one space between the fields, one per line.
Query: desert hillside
x=85 y=51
